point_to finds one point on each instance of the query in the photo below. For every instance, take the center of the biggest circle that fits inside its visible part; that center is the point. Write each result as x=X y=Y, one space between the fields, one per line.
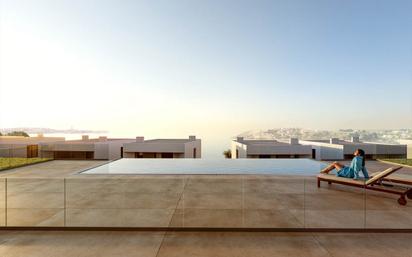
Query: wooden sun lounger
x=375 y=183
x=397 y=179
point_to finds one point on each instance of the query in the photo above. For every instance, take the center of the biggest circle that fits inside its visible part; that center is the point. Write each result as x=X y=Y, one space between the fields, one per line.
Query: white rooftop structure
x=163 y=148
x=101 y=148
x=408 y=143
x=243 y=148
x=24 y=147
x=337 y=149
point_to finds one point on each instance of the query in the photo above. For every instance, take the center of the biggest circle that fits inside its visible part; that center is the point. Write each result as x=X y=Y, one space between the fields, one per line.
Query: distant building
x=101 y=148
x=242 y=148
x=163 y=148
x=24 y=147
x=337 y=149
x=408 y=143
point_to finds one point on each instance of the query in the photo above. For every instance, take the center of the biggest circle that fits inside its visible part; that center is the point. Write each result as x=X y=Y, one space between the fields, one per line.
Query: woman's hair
x=362 y=153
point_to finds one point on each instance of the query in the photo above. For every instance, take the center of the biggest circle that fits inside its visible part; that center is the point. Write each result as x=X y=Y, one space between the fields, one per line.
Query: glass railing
x=193 y=201
x=34 y=202
x=197 y=201
x=333 y=205
x=13 y=156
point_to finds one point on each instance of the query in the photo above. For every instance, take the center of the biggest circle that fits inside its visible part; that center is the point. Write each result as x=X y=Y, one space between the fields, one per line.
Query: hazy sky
x=210 y=68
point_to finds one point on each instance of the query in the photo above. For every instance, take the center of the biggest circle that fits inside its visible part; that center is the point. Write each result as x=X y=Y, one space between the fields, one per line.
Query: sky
x=209 y=68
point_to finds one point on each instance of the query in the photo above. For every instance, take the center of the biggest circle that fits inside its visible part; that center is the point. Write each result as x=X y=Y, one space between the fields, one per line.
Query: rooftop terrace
x=54 y=194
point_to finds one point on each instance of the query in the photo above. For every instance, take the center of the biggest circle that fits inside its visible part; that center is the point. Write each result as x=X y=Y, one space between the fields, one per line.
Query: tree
x=1 y=134
x=18 y=133
x=227 y=154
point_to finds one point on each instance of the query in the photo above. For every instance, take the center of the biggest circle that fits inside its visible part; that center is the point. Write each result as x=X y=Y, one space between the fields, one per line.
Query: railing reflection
x=14 y=156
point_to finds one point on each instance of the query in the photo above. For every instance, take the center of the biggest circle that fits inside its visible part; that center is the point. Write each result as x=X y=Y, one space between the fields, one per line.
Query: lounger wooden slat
x=399 y=179
x=380 y=175
x=374 y=183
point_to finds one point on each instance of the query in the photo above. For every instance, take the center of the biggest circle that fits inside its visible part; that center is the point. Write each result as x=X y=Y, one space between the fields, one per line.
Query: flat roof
x=261 y=142
x=317 y=140
x=344 y=142
x=93 y=140
x=161 y=140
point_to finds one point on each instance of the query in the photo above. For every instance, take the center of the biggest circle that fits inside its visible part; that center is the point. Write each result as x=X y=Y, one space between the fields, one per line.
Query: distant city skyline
x=212 y=69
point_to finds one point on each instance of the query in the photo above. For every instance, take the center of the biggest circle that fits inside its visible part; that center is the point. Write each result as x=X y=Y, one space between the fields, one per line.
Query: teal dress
x=353 y=170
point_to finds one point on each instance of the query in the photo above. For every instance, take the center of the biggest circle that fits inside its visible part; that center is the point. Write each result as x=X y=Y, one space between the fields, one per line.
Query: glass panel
x=35 y=202
x=211 y=201
x=257 y=201
x=18 y=156
x=273 y=202
x=2 y=202
x=333 y=205
x=122 y=202
x=392 y=209
x=5 y=154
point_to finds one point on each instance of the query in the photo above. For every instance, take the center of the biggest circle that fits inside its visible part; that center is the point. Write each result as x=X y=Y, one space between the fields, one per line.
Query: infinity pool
x=204 y=166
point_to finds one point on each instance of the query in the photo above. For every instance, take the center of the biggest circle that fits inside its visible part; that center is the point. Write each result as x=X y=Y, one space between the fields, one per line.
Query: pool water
x=205 y=166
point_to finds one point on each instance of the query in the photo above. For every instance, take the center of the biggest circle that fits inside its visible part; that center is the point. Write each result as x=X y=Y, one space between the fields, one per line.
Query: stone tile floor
x=202 y=244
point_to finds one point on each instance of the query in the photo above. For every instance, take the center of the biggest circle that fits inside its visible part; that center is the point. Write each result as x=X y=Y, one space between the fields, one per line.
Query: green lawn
x=400 y=161
x=7 y=163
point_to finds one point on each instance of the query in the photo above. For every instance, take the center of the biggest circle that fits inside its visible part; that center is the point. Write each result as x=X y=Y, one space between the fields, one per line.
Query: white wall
x=391 y=149
x=325 y=151
x=154 y=147
x=242 y=149
x=279 y=149
x=333 y=152
x=408 y=143
x=350 y=148
x=115 y=147
x=101 y=151
x=189 y=146
x=376 y=148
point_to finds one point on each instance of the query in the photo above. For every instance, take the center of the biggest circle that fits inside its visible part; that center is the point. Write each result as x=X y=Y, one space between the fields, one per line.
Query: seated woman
x=357 y=165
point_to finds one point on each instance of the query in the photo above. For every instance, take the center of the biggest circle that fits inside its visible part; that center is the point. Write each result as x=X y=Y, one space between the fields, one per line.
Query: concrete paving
x=201 y=244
